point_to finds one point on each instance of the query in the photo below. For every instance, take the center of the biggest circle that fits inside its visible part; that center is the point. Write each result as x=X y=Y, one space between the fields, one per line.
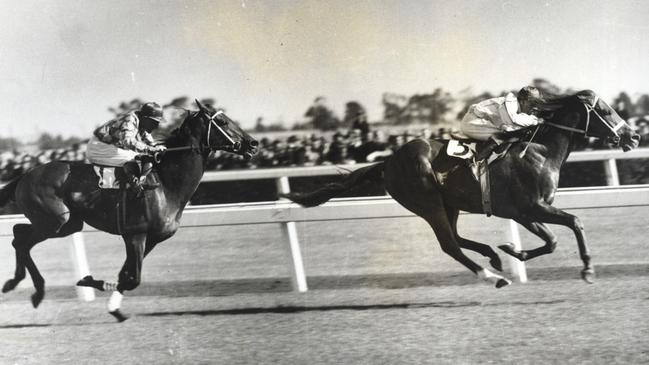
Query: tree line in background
x=435 y=108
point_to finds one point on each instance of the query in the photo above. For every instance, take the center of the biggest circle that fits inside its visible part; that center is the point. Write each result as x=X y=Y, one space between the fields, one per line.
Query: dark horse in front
x=59 y=197
x=426 y=181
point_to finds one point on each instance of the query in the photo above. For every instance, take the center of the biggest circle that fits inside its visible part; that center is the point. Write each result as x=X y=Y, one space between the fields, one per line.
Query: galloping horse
x=59 y=197
x=426 y=181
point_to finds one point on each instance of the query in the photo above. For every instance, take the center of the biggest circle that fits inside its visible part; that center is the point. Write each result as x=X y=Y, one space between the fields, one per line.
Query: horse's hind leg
x=434 y=213
x=481 y=248
x=26 y=236
x=19 y=230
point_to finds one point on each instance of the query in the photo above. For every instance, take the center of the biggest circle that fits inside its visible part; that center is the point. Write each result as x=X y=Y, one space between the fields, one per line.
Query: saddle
x=130 y=213
x=114 y=177
x=466 y=149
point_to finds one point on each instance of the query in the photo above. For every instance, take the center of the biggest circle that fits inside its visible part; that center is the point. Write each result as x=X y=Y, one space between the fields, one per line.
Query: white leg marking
x=115 y=301
x=490 y=277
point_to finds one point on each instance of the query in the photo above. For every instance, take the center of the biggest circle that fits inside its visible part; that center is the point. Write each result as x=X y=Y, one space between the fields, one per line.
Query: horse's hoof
x=121 y=317
x=496 y=263
x=588 y=275
x=89 y=281
x=37 y=298
x=86 y=281
x=9 y=285
x=502 y=282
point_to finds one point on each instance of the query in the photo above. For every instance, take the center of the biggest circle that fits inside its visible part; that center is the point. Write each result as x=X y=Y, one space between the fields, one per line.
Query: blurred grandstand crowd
x=323 y=138
x=341 y=147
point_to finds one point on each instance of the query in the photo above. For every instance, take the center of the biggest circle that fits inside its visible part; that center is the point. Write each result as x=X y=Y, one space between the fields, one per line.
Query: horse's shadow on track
x=356 y=307
x=293 y=310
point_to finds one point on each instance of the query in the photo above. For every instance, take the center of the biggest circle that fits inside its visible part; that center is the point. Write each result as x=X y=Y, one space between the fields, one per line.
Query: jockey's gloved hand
x=158 y=149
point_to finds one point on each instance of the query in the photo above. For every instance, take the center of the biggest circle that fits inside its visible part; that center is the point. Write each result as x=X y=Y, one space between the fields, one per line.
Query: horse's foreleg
x=548 y=214
x=540 y=230
x=129 y=275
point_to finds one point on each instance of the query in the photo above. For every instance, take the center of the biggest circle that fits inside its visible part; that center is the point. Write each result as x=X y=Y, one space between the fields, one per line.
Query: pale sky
x=63 y=63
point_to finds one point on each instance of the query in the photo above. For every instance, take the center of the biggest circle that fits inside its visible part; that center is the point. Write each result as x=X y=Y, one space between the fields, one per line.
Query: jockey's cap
x=152 y=111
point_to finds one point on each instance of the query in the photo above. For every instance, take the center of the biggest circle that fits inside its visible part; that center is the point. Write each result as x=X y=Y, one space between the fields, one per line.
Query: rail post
x=81 y=268
x=298 y=277
x=612 y=176
x=518 y=267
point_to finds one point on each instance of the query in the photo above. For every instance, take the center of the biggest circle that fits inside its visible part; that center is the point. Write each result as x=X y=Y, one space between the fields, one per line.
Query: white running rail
x=286 y=213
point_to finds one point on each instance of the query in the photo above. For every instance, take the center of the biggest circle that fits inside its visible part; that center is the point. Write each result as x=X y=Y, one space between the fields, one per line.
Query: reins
x=589 y=109
x=230 y=147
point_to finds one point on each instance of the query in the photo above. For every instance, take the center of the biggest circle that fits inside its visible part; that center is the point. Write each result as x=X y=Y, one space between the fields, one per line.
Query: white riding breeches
x=106 y=154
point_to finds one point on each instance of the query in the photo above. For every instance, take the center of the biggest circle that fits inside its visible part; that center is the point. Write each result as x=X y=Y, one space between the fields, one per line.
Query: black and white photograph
x=324 y=182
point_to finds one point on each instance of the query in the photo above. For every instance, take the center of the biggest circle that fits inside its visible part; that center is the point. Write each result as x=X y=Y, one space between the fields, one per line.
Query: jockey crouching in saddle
x=497 y=119
x=126 y=141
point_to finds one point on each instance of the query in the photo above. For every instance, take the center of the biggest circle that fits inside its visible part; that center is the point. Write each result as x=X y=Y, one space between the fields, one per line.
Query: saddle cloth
x=466 y=150
x=107 y=177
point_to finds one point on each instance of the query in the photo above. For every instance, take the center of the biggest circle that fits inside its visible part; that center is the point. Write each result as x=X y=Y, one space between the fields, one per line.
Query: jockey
x=125 y=141
x=486 y=120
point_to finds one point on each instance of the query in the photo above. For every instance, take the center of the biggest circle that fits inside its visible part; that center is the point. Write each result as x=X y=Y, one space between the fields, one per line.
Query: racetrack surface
x=542 y=322
x=382 y=292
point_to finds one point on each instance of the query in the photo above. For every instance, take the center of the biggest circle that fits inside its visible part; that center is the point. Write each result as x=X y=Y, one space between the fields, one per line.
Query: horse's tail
x=8 y=192
x=372 y=173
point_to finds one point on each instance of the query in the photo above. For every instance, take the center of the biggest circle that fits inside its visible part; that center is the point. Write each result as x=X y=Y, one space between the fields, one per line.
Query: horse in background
x=424 y=179
x=60 y=196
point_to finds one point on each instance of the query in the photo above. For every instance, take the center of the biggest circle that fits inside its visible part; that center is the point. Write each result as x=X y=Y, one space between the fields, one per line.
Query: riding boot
x=147 y=166
x=486 y=149
x=132 y=170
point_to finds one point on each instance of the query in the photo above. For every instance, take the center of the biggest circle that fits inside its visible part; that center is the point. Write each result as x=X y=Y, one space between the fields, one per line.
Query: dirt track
x=382 y=292
x=565 y=321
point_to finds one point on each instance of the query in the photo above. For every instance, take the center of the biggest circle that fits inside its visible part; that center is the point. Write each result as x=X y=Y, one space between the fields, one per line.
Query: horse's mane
x=547 y=106
x=177 y=137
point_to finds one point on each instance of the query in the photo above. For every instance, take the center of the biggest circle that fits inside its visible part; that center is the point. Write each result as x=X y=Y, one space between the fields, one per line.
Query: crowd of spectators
x=342 y=147
x=15 y=163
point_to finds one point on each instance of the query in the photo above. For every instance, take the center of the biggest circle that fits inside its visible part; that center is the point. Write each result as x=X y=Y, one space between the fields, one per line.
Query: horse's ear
x=200 y=106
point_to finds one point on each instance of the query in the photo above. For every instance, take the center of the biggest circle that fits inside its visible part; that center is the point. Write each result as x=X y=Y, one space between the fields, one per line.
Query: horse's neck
x=180 y=173
x=558 y=143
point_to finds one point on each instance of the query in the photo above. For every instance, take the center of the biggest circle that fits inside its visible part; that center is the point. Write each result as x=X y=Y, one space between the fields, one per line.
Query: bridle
x=591 y=109
x=231 y=147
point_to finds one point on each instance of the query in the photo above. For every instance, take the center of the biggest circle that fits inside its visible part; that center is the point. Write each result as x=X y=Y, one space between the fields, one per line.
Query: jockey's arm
x=130 y=141
x=525 y=120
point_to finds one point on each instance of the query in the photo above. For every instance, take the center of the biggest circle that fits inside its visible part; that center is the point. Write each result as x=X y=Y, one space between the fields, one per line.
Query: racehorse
x=58 y=197
x=425 y=180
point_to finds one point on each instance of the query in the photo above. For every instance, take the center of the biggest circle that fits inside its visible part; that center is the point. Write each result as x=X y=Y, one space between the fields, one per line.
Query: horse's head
x=602 y=121
x=597 y=119
x=214 y=130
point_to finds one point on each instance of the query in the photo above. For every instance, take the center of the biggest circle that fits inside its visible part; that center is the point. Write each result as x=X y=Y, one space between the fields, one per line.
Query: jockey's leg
x=485 y=149
x=132 y=170
x=147 y=166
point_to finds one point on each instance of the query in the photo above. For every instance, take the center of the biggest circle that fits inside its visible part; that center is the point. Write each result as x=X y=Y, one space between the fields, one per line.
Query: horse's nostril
x=253 y=143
